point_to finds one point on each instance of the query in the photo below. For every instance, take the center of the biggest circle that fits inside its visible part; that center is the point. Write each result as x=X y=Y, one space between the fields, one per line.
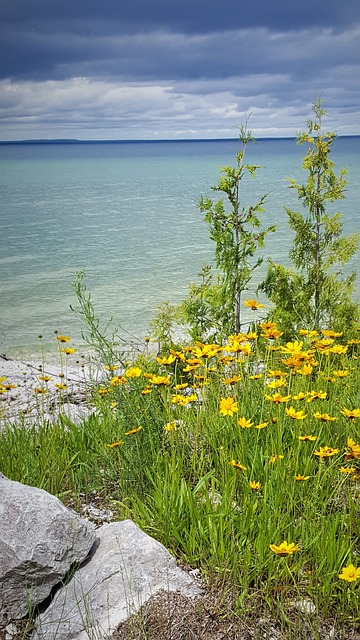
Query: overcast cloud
x=153 y=69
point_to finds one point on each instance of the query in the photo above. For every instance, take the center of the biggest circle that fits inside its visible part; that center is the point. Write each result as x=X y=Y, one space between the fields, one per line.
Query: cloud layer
x=139 y=69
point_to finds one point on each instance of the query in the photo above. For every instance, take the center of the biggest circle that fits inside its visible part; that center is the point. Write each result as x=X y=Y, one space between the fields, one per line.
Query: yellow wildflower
x=306 y=370
x=60 y=386
x=276 y=384
x=266 y=326
x=271 y=334
x=350 y=413
x=178 y=354
x=329 y=333
x=285 y=548
x=341 y=373
x=40 y=390
x=295 y=415
x=350 y=573
x=208 y=350
x=301 y=478
x=326 y=452
x=277 y=398
x=293 y=362
x=251 y=335
x=308 y=333
x=179 y=399
x=237 y=465
x=170 y=426
x=45 y=378
x=133 y=372
x=245 y=349
x=254 y=305
x=169 y=360
x=183 y=400
x=307 y=438
x=300 y=396
x=324 y=417
x=115 y=444
x=191 y=367
x=339 y=349
x=116 y=381
x=232 y=380
x=63 y=338
x=8 y=387
x=293 y=348
x=274 y=458
x=228 y=406
x=68 y=350
x=323 y=345
x=352 y=450
x=347 y=469
x=261 y=425
x=159 y=380
x=255 y=486
x=329 y=378
x=244 y=423
x=277 y=373
x=130 y=433
x=316 y=395
x=227 y=359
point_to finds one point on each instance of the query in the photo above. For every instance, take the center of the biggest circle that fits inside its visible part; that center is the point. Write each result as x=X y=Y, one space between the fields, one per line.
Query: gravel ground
x=18 y=381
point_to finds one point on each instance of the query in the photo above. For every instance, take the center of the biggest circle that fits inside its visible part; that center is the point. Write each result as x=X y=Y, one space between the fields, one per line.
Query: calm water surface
x=126 y=214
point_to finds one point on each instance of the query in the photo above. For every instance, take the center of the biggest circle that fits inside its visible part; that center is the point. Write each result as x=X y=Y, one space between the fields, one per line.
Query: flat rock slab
x=40 y=539
x=126 y=567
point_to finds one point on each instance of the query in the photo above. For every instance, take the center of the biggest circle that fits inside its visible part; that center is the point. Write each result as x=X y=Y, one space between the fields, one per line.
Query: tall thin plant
x=236 y=230
x=315 y=293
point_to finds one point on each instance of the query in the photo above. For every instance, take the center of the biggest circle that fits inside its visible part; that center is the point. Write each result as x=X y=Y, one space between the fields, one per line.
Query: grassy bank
x=242 y=459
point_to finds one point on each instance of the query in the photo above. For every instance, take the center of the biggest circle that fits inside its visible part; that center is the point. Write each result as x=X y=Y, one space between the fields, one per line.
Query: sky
x=165 y=69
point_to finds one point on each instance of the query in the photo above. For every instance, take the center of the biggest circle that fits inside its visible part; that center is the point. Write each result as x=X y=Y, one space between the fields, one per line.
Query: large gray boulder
x=40 y=539
x=125 y=568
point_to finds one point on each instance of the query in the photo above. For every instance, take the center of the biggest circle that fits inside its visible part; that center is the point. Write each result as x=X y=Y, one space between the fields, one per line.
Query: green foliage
x=235 y=229
x=165 y=325
x=315 y=293
x=202 y=309
x=218 y=493
x=95 y=336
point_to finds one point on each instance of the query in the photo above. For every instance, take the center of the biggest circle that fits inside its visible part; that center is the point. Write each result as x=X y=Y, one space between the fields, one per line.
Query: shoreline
x=19 y=402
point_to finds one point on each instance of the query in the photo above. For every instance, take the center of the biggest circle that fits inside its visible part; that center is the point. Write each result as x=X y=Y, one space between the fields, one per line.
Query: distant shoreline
x=76 y=141
x=70 y=141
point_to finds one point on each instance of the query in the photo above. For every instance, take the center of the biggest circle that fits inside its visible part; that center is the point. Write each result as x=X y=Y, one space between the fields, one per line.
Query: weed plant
x=243 y=459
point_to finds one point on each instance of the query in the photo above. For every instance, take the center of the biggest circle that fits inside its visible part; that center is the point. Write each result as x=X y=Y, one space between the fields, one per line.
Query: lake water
x=126 y=214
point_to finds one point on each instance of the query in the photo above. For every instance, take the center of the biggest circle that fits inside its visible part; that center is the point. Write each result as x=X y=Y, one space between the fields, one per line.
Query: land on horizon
x=145 y=141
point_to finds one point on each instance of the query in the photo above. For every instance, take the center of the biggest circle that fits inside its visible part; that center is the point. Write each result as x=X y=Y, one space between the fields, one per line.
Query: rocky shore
x=29 y=390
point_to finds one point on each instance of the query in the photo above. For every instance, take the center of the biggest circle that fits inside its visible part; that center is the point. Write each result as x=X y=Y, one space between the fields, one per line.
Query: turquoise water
x=126 y=213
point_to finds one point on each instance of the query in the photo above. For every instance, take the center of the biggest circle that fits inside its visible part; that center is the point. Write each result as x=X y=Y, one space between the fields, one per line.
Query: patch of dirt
x=172 y=616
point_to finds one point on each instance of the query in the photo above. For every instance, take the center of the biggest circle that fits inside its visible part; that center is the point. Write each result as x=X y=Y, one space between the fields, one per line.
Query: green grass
x=180 y=486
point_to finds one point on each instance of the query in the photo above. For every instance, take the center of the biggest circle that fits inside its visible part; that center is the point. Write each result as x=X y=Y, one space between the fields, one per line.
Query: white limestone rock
x=125 y=568
x=40 y=539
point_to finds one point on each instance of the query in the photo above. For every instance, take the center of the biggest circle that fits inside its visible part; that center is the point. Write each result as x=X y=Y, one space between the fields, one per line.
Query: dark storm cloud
x=193 y=16
x=140 y=68
x=42 y=39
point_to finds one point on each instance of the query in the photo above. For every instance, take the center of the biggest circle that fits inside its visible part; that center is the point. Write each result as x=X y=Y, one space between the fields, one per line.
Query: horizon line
x=147 y=140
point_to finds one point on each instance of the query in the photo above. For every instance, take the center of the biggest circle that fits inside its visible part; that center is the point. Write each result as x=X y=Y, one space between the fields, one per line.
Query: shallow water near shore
x=126 y=213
